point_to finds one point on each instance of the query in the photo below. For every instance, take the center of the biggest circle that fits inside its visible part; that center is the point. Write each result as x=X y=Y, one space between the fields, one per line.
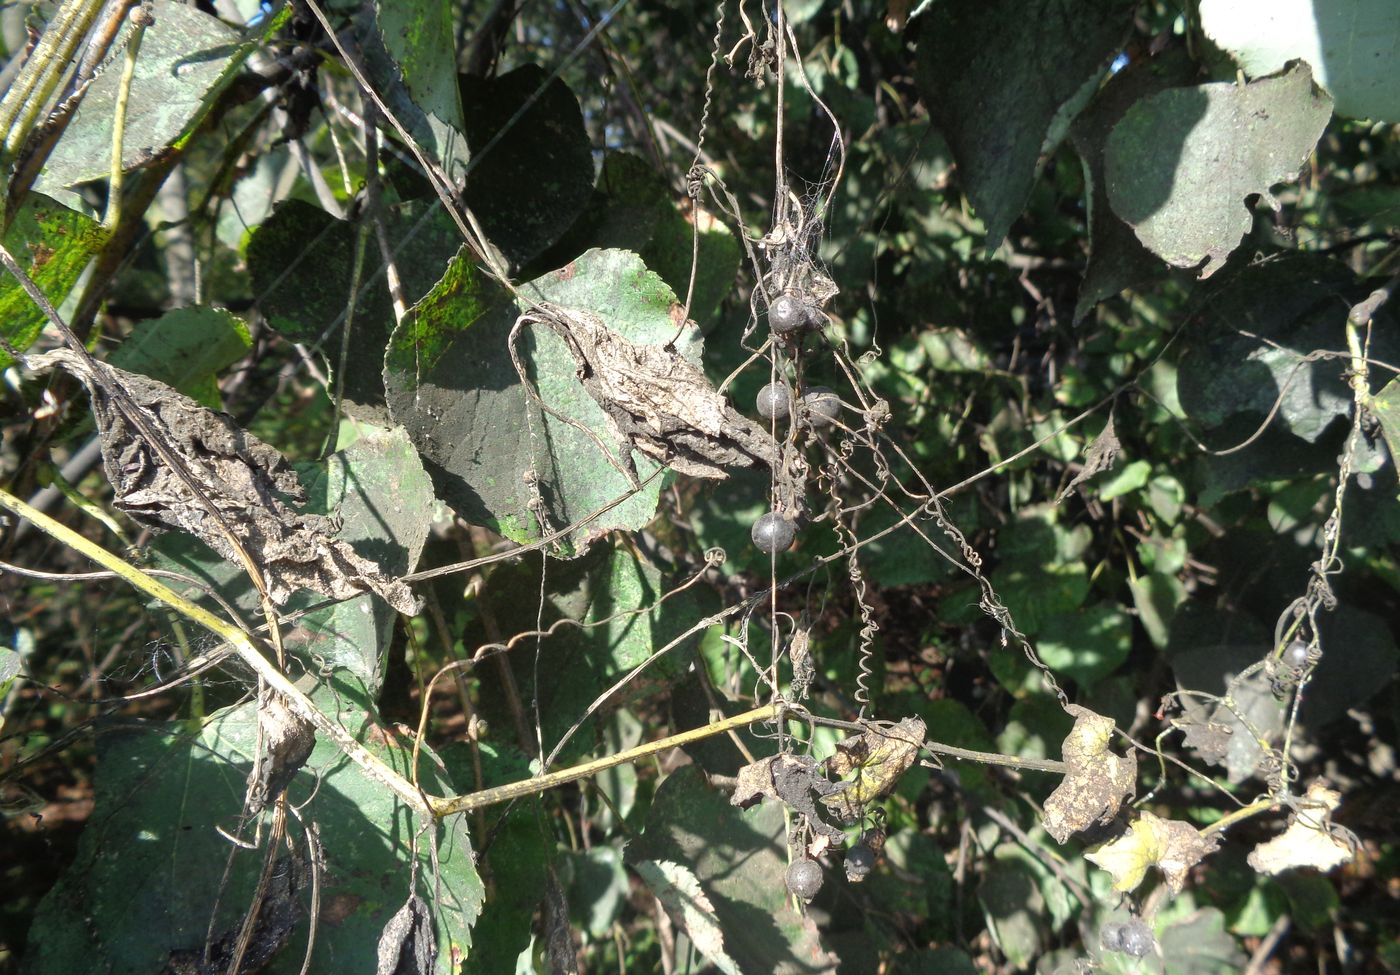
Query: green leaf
x=935 y=961
x=538 y=173
x=186 y=59
x=384 y=500
x=740 y=859
x=612 y=593
x=301 y=261
x=1117 y=259
x=516 y=860
x=1385 y=406
x=148 y=878
x=1352 y=45
x=1157 y=597
x=451 y=383
x=1254 y=332
x=52 y=244
x=186 y=348
x=1126 y=481
x=1199 y=945
x=633 y=208
x=1180 y=163
x=598 y=888
x=411 y=59
x=1013 y=905
x=1087 y=645
x=1003 y=94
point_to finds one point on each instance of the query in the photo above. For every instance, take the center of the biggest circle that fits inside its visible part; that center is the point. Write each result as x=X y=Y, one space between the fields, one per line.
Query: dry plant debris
x=1097 y=782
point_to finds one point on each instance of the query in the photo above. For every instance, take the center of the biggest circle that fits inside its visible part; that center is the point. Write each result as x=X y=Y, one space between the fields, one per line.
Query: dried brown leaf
x=872 y=763
x=1173 y=847
x=659 y=402
x=1099 y=456
x=1310 y=839
x=1097 y=781
x=244 y=479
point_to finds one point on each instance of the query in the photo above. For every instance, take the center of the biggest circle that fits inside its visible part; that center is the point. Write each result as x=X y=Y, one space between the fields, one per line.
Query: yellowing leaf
x=874 y=760
x=1173 y=847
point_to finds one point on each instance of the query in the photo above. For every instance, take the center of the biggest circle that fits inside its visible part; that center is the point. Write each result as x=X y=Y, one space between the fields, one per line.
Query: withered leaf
x=874 y=760
x=1097 y=781
x=1208 y=739
x=287 y=742
x=1170 y=845
x=1099 y=456
x=791 y=779
x=1310 y=839
x=244 y=478
x=656 y=400
x=407 y=945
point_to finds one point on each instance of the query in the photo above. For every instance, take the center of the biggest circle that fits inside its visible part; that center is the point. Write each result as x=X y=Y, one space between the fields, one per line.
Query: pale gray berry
x=821 y=406
x=786 y=314
x=1137 y=938
x=804 y=878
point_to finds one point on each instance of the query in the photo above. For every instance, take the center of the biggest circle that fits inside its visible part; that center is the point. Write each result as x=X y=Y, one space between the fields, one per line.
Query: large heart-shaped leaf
x=1352 y=45
x=453 y=386
x=147 y=886
x=185 y=60
x=1180 y=163
x=1003 y=93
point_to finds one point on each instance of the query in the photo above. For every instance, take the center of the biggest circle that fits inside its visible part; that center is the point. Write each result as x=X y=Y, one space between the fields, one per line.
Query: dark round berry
x=1137 y=938
x=804 y=878
x=821 y=406
x=774 y=402
x=786 y=314
x=773 y=533
x=1111 y=936
x=860 y=860
x=1296 y=655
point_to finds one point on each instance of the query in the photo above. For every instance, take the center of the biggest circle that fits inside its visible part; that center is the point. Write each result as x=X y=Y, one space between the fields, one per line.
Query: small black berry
x=774 y=402
x=1137 y=939
x=773 y=533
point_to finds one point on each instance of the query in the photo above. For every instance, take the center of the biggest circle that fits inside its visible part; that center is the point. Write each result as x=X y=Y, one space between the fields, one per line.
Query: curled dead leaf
x=1311 y=840
x=872 y=763
x=1097 y=782
x=241 y=478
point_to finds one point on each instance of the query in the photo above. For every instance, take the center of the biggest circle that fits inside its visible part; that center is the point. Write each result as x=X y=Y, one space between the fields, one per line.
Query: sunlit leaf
x=52 y=244
x=1352 y=45
x=1180 y=163
x=186 y=58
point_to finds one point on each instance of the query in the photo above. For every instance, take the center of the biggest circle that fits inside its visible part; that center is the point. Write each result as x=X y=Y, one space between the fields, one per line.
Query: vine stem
x=242 y=644
x=140 y=19
x=1230 y=819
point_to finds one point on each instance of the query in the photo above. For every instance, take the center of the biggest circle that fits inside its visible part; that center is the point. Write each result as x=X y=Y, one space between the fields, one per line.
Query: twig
x=242 y=644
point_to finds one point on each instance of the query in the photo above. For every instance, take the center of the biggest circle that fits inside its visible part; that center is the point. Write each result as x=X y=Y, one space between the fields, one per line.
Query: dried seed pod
x=860 y=860
x=787 y=313
x=773 y=533
x=804 y=878
x=821 y=406
x=774 y=402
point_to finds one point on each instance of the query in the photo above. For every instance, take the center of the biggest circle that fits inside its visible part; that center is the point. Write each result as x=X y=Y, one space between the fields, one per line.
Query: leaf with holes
x=1179 y=164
